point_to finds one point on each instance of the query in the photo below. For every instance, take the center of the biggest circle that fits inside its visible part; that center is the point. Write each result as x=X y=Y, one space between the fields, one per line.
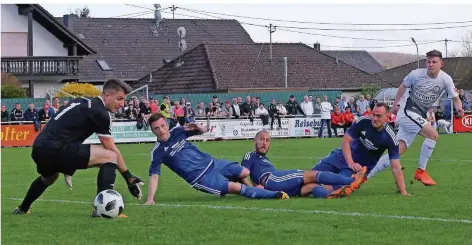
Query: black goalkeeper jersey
x=78 y=121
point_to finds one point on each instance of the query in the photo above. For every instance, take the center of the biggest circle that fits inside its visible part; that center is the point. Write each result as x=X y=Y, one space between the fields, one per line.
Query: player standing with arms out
x=363 y=145
x=295 y=182
x=426 y=88
x=59 y=146
x=199 y=169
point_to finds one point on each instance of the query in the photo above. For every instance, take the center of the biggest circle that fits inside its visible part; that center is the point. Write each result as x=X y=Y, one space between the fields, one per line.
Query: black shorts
x=52 y=157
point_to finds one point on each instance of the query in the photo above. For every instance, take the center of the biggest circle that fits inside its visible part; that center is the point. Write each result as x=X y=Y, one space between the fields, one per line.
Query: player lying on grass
x=59 y=146
x=426 y=88
x=363 y=145
x=200 y=170
x=294 y=182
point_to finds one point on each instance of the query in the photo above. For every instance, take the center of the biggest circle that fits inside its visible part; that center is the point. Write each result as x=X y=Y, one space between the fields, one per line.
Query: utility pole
x=173 y=11
x=271 y=30
x=445 y=42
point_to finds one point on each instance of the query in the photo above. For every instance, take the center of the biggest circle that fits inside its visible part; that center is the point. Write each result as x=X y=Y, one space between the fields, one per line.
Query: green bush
x=11 y=91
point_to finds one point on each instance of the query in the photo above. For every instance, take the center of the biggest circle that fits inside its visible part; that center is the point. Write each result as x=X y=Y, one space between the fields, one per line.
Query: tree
x=81 y=12
x=370 y=89
x=466 y=46
x=79 y=90
x=11 y=87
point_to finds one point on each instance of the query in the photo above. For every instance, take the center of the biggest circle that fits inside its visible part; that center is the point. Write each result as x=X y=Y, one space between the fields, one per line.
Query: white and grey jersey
x=426 y=91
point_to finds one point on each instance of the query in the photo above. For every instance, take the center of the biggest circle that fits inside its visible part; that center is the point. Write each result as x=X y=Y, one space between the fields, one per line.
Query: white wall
x=14 y=44
x=42 y=87
x=44 y=42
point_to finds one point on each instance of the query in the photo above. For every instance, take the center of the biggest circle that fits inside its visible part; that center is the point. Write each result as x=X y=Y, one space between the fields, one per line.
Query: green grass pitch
x=374 y=214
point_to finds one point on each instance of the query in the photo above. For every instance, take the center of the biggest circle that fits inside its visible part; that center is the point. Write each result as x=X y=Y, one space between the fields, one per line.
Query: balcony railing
x=41 y=66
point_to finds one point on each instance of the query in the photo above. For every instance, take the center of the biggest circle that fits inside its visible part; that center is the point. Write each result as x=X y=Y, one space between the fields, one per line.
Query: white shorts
x=442 y=122
x=409 y=125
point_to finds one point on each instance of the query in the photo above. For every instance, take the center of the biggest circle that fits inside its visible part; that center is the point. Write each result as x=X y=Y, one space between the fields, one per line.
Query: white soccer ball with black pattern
x=109 y=204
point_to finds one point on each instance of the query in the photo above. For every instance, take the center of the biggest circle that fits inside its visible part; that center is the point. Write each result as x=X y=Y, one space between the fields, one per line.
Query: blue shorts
x=334 y=163
x=288 y=181
x=216 y=179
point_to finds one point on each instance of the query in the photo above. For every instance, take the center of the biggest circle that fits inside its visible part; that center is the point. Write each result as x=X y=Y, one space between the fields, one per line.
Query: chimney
x=317 y=46
x=69 y=21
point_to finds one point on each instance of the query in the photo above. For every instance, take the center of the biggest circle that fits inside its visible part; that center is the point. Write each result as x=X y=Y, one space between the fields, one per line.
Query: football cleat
x=341 y=192
x=282 y=195
x=359 y=177
x=68 y=180
x=423 y=176
x=19 y=211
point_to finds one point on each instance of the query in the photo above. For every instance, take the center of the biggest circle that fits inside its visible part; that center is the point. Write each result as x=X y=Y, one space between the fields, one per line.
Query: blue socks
x=319 y=192
x=328 y=178
x=256 y=193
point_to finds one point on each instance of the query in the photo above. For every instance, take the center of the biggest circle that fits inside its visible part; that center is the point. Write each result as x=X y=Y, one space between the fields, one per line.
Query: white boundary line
x=279 y=210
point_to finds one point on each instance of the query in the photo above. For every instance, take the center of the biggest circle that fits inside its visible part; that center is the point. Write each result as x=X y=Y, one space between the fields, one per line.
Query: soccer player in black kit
x=59 y=147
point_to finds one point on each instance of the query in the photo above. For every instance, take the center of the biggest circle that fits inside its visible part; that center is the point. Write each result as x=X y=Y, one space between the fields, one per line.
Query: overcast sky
x=329 y=13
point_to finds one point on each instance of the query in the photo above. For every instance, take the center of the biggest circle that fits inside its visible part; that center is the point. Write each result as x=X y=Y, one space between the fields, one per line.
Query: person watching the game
x=348 y=118
x=5 y=117
x=368 y=112
x=17 y=114
x=337 y=120
x=326 y=109
x=440 y=122
x=426 y=87
x=59 y=147
x=295 y=182
x=165 y=108
x=263 y=114
x=199 y=169
x=363 y=145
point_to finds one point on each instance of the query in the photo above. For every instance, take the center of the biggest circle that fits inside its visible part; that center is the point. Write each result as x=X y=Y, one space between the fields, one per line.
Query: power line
x=218 y=18
x=132 y=14
x=344 y=29
x=376 y=47
x=332 y=23
x=354 y=38
x=139 y=6
x=329 y=46
x=309 y=33
x=373 y=30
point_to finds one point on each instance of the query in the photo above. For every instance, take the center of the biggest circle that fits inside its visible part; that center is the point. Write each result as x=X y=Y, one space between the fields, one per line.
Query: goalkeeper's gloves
x=134 y=183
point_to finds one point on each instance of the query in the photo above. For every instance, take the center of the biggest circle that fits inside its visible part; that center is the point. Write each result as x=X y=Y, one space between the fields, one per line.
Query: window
x=103 y=64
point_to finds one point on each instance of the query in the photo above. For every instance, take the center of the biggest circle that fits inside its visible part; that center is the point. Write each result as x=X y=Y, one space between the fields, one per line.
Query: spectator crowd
x=339 y=113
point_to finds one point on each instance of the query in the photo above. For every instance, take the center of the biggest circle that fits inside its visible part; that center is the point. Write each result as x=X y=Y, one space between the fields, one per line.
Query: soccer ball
x=109 y=204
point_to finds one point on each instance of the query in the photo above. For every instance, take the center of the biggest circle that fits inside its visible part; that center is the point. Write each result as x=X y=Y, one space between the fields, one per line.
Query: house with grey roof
x=360 y=59
x=130 y=48
x=217 y=67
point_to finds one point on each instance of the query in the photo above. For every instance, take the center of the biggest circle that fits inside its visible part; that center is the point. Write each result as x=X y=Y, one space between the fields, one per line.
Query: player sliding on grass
x=59 y=146
x=426 y=88
x=199 y=169
x=363 y=145
x=295 y=182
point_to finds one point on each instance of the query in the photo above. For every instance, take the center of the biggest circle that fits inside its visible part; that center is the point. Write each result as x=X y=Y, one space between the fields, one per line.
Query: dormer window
x=103 y=64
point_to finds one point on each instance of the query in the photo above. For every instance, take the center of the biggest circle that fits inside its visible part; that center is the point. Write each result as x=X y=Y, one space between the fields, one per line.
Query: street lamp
x=417 y=52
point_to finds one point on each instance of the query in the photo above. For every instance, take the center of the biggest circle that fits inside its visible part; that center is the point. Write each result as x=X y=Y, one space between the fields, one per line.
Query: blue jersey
x=369 y=144
x=185 y=159
x=258 y=166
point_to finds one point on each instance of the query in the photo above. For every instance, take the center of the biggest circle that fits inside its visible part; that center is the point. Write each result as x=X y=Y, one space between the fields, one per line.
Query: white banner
x=125 y=132
x=309 y=127
x=239 y=129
